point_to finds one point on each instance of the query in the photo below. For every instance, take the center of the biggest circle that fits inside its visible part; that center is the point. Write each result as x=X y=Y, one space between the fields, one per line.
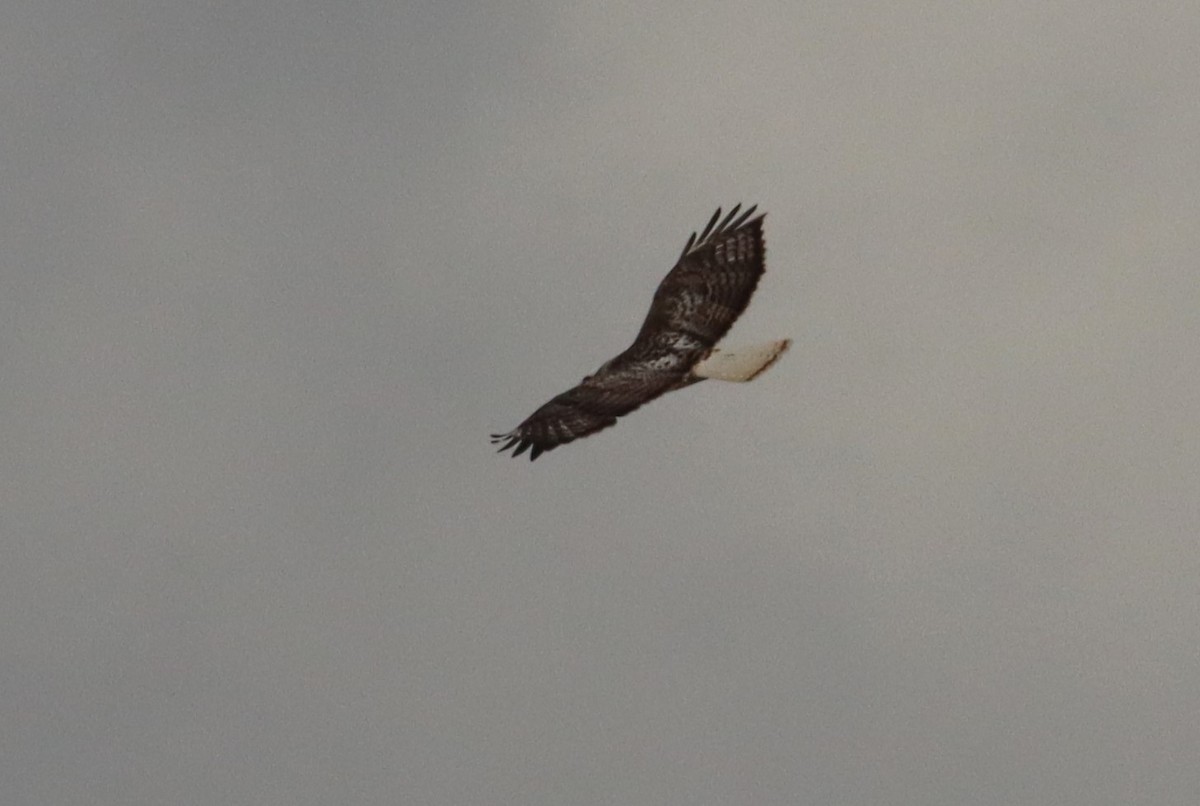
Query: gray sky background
x=271 y=272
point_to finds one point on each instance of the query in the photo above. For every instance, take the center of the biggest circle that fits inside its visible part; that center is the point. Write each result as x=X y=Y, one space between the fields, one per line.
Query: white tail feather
x=740 y=364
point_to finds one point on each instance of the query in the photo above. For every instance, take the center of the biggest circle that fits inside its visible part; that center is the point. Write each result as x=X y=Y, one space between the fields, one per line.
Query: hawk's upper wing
x=713 y=280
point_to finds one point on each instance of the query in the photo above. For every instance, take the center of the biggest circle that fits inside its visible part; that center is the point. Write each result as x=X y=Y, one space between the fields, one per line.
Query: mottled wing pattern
x=589 y=407
x=712 y=282
x=694 y=306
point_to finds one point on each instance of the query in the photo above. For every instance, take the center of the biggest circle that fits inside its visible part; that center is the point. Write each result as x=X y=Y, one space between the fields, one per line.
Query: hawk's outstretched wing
x=693 y=307
x=592 y=406
x=712 y=282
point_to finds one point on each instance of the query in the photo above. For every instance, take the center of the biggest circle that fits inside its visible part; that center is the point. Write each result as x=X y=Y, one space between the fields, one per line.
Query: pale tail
x=740 y=363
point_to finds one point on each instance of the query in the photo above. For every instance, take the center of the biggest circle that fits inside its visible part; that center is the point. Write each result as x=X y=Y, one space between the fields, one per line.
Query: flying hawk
x=694 y=306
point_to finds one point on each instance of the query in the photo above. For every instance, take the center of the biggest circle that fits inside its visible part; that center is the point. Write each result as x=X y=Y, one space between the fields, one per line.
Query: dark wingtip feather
x=725 y=224
x=524 y=446
x=688 y=245
x=708 y=227
x=536 y=452
x=744 y=217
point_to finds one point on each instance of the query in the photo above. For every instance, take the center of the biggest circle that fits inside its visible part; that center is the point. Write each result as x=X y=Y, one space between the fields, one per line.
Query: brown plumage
x=693 y=308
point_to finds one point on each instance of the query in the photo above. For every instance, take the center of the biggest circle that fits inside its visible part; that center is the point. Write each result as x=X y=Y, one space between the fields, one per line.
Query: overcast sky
x=271 y=272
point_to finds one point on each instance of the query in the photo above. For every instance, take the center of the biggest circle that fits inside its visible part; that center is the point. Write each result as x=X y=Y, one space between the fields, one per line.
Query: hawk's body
x=693 y=308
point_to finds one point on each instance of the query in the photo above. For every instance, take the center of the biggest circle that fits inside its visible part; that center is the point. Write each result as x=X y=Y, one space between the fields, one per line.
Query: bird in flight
x=693 y=308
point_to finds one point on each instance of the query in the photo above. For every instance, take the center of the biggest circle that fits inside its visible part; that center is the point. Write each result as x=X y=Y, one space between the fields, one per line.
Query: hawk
x=693 y=308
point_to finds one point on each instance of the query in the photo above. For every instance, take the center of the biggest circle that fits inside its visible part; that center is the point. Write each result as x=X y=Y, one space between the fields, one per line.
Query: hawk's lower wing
x=589 y=407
